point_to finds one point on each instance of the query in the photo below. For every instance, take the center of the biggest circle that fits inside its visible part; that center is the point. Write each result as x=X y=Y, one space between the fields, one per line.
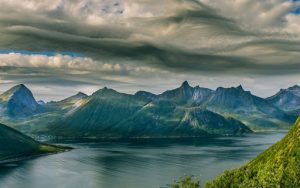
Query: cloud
x=133 y=41
x=177 y=35
x=265 y=14
x=56 y=61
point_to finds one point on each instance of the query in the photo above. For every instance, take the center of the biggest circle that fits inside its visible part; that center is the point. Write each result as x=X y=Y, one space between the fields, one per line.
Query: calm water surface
x=143 y=164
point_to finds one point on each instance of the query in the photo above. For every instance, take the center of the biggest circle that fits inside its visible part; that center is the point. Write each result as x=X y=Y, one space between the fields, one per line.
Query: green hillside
x=110 y=114
x=182 y=112
x=15 y=145
x=279 y=166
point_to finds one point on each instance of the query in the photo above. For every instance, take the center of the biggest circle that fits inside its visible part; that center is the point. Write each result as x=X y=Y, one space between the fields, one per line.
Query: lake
x=135 y=164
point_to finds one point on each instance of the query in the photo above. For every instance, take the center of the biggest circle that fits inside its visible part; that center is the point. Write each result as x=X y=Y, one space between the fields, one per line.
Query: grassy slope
x=14 y=144
x=278 y=166
x=122 y=116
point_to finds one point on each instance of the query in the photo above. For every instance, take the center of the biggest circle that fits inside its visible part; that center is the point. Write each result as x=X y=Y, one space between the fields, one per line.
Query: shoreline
x=19 y=159
x=148 y=139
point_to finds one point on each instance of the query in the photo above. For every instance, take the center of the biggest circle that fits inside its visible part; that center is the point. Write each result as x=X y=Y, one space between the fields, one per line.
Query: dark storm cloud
x=56 y=30
x=134 y=42
x=50 y=76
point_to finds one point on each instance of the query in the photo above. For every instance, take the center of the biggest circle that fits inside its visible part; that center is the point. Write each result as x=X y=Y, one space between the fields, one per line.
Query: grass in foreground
x=186 y=182
x=278 y=166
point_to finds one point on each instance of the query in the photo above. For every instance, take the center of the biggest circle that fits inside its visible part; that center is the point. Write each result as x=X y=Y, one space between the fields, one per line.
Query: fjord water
x=136 y=164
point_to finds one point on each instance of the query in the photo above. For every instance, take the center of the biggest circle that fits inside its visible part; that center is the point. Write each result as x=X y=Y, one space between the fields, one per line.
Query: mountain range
x=287 y=100
x=278 y=166
x=182 y=112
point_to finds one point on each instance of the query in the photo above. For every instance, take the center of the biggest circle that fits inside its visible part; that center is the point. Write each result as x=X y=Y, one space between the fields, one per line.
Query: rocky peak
x=144 y=95
x=81 y=95
x=233 y=97
x=106 y=91
x=19 y=101
x=185 y=84
x=240 y=88
x=295 y=90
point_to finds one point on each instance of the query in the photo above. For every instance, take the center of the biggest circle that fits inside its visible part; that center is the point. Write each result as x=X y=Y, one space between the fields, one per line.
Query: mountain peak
x=19 y=101
x=295 y=90
x=185 y=84
x=287 y=100
x=234 y=98
x=20 y=86
x=231 y=89
x=145 y=95
x=183 y=93
x=240 y=87
x=105 y=90
x=295 y=87
x=73 y=99
x=18 y=89
x=80 y=94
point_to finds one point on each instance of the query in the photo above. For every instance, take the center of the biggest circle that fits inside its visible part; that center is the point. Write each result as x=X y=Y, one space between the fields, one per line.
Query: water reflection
x=135 y=164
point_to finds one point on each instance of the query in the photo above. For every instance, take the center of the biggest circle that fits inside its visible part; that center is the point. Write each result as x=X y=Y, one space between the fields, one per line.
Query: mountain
x=186 y=93
x=145 y=95
x=234 y=98
x=110 y=114
x=287 y=100
x=235 y=102
x=66 y=104
x=278 y=166
x=18 y=102
x=47 y=114
x=15 y=145
x=75 y=98
x=165 y=119
x=254 y=111
x=183 y=111
x=101 y=111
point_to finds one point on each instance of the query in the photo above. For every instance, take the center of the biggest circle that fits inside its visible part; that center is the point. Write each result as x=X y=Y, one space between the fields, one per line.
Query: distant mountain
x=278 y=166
x=68 y=103
x=233 y=98
x=104 y=109
x=287 y=100
x=145 y=95
x=254 y=111
x=183 y=111
x=110 y=114
x=165 y=119
x=15 y=145
x=75 y=98
x=186 y=93
x=18 y=102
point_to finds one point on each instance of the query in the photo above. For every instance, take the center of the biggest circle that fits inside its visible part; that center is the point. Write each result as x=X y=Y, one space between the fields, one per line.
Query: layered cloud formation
x=135 y=43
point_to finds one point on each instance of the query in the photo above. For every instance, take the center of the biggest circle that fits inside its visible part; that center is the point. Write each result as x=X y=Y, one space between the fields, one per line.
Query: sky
x=60 y=47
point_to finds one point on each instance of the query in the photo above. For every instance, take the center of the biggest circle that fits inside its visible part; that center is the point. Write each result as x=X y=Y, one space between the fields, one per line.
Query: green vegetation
x=186 y=182
x=107 y=114
x=47 y=148
x=16 y=146
x=278 y=166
